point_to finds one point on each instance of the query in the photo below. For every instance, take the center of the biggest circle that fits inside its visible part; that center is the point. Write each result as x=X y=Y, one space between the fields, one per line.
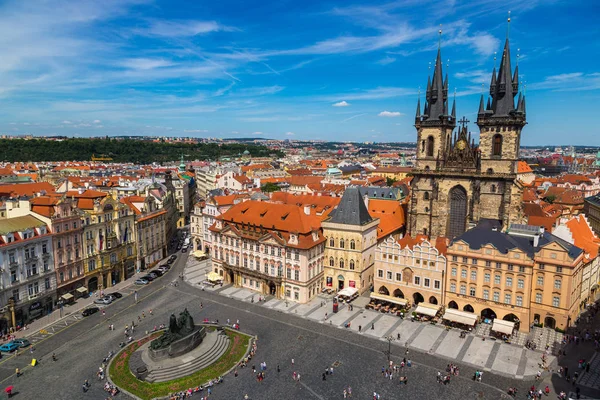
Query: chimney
x=87 y=185
x=307 y=209
x=536 y=240
x=81 y=190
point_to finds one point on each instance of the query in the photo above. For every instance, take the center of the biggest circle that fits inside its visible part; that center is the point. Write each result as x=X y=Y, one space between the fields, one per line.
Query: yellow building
x=108 y=238
x=525 y=275
x=351 y=235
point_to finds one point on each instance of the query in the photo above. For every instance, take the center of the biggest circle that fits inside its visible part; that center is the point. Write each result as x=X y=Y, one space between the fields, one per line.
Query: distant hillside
x=123 y=150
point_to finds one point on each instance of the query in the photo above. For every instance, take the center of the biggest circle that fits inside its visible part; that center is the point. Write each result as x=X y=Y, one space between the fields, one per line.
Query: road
x=358 y=359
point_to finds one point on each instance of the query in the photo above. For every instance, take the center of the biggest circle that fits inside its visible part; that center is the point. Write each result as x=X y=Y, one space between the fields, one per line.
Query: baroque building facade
x=456 y=183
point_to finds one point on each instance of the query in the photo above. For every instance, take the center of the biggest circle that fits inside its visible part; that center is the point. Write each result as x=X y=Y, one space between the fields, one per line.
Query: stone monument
x=181 y=337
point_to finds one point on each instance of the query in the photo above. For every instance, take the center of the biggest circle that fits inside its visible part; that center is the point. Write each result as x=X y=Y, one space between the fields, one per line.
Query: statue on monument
x=178 y=328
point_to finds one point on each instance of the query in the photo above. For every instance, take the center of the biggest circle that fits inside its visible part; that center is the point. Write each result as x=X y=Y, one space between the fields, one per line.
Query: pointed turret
x=418 y=114
x=481 y=109
x=493 y=82
x=515 y=80
x=523 y=106
x=437 y=93
x=428 y=92
x=454 y=108
x=489 y=105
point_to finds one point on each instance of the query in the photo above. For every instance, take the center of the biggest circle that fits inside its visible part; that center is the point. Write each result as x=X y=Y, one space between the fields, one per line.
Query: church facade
x=456 y=182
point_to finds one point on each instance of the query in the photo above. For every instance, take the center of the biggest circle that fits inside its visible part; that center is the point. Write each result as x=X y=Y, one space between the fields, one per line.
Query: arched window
x=352 y=264
x=430 y=146
x=490 y=171
x=342 y=243
x=493 y=188
x=422 y=146
x=352 y=245
x=341 y=263
x=331 y=242
x=331 y=262
x=497 y=145
x=426 y=196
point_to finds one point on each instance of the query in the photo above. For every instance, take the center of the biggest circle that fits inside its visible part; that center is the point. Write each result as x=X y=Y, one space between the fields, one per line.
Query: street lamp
x=388 y=353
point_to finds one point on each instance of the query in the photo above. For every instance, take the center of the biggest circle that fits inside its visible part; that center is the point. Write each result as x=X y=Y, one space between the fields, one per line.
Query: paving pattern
x=477 y=349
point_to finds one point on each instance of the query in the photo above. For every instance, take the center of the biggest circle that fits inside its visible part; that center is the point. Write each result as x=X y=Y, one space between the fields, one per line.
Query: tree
x=550 y=198
x=390 y=181
x=270 y=187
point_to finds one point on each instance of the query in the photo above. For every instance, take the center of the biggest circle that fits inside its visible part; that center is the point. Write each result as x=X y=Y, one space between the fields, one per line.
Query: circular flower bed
x=122 y=377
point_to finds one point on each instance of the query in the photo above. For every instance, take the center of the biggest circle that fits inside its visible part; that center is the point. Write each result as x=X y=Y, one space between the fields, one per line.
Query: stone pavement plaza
x=510 y=360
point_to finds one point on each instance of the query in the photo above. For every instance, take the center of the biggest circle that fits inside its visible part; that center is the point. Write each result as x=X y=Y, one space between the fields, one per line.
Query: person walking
x=359 y=328
x=292 y=362
x=372 y=325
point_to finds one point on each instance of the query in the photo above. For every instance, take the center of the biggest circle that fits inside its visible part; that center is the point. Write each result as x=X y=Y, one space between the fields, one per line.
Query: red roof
x=26 y=189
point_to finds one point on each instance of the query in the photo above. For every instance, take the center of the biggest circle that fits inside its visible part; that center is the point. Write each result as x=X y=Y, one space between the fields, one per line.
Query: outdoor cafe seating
x=387 y=304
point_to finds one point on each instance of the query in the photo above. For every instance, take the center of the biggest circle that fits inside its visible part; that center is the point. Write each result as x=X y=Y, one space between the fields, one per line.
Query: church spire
x=437 y=89
x=454 y=106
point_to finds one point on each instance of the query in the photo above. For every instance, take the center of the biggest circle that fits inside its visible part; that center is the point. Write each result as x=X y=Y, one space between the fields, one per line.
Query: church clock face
x=461 y=144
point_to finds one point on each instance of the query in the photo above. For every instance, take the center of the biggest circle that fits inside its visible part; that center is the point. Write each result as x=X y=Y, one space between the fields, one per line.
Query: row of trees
x=121 y=150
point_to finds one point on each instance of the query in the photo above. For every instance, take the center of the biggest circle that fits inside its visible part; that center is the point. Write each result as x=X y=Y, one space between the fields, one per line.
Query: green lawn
x=123 y=378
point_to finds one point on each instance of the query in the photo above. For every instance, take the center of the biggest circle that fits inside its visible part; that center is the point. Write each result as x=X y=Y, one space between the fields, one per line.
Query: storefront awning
x=427 y=309
x=391 y=299
x=349 y=291
x=67 y=296
x=213 y=276
x=462 y=317
x=82 y=290
x=502 y=326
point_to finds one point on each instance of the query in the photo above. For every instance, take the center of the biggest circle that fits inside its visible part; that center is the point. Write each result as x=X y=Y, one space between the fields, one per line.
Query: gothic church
x=456 y=182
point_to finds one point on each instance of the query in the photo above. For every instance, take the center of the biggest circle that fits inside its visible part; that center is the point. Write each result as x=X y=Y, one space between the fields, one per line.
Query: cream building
x=351 y=235
x=525 y=275
x=411 y=269
x=273 y=249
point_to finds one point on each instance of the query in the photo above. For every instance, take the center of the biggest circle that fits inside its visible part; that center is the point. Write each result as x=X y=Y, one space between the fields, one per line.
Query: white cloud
x=97 y=121
x=145 y=64
x=386 y=60
x=352 y=117
x=257 y=133
x=223 y=90
x=195 y=130
x=373 y=94
x=260 y=90
x=234 y=132
x=390 y=114
x=343 y=103
x=182 y=28
x=573 y=81
x=290 y=133
x=67 y=122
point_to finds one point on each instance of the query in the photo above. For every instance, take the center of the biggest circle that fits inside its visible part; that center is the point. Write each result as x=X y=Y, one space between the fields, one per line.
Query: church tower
x=457 y=183
x=434 y=125
x=500 y=122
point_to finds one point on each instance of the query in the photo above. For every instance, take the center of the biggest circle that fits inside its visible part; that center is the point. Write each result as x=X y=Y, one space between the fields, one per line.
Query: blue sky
x=300 y=70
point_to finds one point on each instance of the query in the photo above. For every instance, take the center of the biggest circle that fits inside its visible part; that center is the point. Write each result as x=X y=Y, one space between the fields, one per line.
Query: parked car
x=184 y=250
x=153 y=275
x=141 y=281
x=116 y=295
x=157 y=271
x=89 y=311
x=22 y=342
x=163 y=269
x=106 y=300
x=9 y=347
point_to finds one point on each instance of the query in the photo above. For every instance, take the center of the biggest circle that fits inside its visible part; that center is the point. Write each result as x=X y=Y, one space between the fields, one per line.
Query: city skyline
x=146 y=68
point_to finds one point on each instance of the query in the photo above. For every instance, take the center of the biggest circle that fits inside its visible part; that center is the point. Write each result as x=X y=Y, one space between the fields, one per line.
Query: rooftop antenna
x=495 y=54
x=440 y=37
x=508 y=26
x=429 y=68
x=518 y=55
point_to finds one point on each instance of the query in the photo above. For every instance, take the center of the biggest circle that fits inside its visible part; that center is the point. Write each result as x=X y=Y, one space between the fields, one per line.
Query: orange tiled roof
x=390 y=214
x=26 y=189
x=279 y=217
x=255 y=167
x=583 y=236
x=321 y=205
x=523 y=167
x=409 y=241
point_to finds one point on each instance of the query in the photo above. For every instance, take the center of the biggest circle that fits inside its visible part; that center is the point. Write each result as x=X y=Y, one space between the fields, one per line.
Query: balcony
x=33 y=296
